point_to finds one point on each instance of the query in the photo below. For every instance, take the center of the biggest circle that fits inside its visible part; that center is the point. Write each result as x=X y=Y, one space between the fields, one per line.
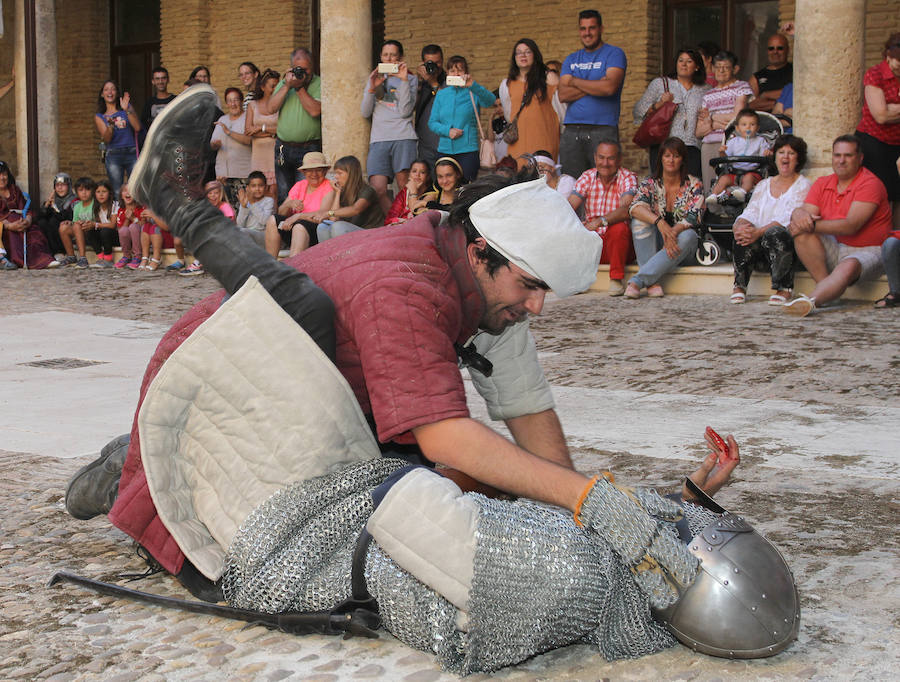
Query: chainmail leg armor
x=539 y=581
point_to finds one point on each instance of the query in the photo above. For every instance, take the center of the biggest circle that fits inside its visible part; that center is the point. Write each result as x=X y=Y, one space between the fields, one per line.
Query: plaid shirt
x=599 y=199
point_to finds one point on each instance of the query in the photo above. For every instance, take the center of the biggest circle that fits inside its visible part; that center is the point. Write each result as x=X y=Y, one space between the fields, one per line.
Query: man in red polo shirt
x=606 y=192
x=839 y=230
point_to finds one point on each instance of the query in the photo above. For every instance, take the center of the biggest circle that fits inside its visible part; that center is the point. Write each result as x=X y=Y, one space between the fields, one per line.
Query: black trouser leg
x=92 y=239
x=232 y=256
x=744 y=257
x=778 y=246
x=108 y=239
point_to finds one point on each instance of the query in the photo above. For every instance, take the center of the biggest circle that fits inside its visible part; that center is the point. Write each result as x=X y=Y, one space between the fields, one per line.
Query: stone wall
x=83 y=53
x=220 y=35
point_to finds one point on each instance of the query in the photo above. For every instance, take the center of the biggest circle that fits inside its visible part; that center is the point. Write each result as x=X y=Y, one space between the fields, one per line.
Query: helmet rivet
x=725 y=582
x=709 y=549
x=753 y=608
x=764 y=595
x=736 y=571
x=771 y=649
x=694 y=547
x=775 y=632
x=713 y=536
x=785 y=620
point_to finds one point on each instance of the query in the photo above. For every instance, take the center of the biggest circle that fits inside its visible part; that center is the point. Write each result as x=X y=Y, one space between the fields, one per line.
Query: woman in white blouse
x=761 y=237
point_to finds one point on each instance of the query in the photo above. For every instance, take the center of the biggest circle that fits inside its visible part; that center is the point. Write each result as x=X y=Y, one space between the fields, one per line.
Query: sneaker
x=800 y=307
x=712 y=200
x=122 y=262
x=616 y=287
x=69 y=260
x=82 y=263
x=170 y=170
x=101 y=263
x=94 y=488
x=7 y=264
x=54 y=264
x=739 y=195
x=193 y=269
x=176 y=266
x=134 y=263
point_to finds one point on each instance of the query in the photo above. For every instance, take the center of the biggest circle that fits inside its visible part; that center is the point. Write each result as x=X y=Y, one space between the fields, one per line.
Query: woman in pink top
x=303 y=201
x=720 y=105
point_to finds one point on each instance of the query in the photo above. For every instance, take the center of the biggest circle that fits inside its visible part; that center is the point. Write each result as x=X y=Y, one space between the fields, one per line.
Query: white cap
x=535 y=227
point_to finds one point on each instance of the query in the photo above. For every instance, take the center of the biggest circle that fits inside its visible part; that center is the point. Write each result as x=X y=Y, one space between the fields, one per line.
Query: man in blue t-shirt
x=591 y=85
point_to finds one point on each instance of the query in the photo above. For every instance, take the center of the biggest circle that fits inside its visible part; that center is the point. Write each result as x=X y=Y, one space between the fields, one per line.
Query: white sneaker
x=739 y=194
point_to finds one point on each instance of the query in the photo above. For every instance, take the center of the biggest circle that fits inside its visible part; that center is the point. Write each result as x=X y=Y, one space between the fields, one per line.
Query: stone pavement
x=813 y=404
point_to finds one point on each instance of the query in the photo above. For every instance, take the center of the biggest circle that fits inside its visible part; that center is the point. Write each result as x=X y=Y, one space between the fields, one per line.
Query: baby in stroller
x=739 y=179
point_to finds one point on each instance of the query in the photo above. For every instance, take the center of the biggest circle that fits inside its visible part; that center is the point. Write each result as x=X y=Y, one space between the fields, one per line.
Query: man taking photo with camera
x=297 y=101
x=431 y=79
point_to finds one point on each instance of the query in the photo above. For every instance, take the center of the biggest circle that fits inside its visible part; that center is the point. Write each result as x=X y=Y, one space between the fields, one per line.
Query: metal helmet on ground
x=744 y=602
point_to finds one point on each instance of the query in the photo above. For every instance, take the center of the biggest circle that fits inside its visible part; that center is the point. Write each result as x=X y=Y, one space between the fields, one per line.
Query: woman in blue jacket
x=453 y=116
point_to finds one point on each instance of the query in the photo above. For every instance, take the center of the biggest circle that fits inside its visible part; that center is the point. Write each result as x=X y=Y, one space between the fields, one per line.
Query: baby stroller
x=716 y=237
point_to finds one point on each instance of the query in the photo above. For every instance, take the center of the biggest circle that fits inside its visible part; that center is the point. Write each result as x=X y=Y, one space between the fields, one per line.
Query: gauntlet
x=638 y=524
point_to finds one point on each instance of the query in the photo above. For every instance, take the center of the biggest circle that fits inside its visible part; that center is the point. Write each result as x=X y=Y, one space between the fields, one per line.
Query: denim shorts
x=388 y=158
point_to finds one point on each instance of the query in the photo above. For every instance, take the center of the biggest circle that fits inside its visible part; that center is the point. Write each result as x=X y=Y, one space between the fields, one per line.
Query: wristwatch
x=603 y=221
x=331 y=214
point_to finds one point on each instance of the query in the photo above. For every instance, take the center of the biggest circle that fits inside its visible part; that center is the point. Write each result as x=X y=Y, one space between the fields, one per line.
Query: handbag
x=487 y=157
x=511 y=133
x=657 y=123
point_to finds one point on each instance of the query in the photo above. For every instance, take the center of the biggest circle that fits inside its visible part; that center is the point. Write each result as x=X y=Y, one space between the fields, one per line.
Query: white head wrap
x=536 y=229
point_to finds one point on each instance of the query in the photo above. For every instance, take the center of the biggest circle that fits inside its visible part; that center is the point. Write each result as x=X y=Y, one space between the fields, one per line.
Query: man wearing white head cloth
x=397 y=310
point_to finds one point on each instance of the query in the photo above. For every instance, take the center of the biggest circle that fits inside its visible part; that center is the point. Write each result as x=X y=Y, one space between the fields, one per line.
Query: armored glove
x=637 y=525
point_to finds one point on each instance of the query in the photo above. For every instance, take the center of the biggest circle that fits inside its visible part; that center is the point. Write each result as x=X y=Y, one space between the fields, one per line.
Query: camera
x=299 y=73
x=498 y=125
x=388 y=67
x=456 y=80
x=431 y=68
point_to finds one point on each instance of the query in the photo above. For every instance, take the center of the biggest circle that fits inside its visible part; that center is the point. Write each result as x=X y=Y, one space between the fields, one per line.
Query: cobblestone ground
x=837 y=531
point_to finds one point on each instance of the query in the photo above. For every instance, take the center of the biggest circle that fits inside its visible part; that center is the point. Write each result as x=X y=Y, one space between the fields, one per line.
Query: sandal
x=889 y=300
x=779 y=297
x=632 y=291
x=153 y=264
x=738 y=297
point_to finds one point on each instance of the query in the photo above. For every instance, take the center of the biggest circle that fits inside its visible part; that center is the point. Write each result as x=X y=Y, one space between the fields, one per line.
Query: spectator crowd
x=556 y=119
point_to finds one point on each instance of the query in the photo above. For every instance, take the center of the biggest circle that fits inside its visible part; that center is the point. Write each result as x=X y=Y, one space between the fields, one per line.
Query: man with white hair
x=397 y=310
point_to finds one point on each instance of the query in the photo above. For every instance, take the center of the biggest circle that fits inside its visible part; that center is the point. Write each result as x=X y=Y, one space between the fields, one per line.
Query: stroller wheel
x=708 y=253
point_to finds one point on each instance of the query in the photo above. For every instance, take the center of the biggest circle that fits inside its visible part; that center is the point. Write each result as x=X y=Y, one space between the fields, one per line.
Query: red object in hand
x=721 y=445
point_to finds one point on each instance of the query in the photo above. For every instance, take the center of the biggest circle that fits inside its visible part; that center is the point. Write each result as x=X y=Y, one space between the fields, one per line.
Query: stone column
x=47 y=99
x=828 y=71
x=345 y=58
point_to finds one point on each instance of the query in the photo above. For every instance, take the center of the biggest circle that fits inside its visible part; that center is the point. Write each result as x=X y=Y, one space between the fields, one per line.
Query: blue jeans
x=890 y=254
x=288 y=159
x=653 y=260
x=119 y=160
x=329 y=229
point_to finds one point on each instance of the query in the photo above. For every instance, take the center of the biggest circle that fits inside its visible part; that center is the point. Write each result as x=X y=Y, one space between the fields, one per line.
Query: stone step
x=719 y=279
x=696 y=279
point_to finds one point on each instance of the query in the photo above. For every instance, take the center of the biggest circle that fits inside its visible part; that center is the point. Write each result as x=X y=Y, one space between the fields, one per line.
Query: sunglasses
x=776 y=48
